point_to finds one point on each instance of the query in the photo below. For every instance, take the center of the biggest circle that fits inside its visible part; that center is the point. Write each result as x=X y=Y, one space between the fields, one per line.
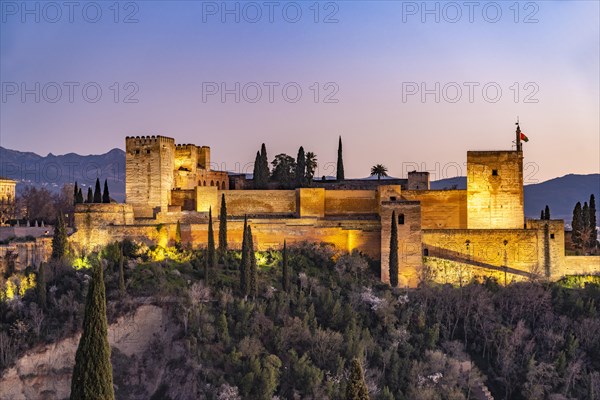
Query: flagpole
x=518 y=134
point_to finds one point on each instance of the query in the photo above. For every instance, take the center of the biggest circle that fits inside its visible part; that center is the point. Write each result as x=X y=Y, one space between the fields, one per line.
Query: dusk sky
x=371 y=61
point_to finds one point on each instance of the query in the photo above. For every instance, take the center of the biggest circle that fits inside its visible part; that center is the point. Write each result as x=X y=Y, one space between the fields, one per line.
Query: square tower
x=495 y=190
x=149 y=165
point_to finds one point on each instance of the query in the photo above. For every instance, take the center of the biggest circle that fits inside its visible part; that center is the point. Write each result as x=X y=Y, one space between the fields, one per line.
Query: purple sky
x=370 y=61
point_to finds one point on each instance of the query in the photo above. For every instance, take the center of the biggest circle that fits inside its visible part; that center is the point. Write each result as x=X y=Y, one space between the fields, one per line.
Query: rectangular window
x=494 y=172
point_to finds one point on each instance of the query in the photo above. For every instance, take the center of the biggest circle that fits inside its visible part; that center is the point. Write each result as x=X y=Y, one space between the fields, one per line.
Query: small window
x=401 y=219
x=137 y=152
x=494 y=172
x=393 y=198
x=425 y=252
x=552 y=236
x=147 y=151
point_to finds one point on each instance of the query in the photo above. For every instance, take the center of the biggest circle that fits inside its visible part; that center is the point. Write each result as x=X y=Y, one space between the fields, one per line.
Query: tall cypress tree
x=394 y=251
x=244 y=261
x=577 y=225
x=256 y=172
x=211 y=255
x=285 y=270
x=593 y=223
x=92 y=374
x=301 y=168
x=97 y=192
x=357 y=388
x=547 y=213
x=90 y=196
x=41 y=286
x=223 y=229
x=542 y=215
x=585 y=218
x=105 y=194
x=265 y=173
x=75 y=193
x=253 y=273
x=59 y=240
x=340 y=162
x=79 y=196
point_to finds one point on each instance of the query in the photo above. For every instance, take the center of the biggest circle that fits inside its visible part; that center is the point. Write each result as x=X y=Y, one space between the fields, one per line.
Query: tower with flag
x=520 y=137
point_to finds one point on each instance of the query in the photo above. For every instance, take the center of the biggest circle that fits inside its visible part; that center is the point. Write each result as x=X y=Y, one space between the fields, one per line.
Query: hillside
x=53 y=172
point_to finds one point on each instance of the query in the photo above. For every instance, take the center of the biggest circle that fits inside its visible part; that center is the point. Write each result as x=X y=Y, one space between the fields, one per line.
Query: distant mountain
x=561 y=194
x=53 y=172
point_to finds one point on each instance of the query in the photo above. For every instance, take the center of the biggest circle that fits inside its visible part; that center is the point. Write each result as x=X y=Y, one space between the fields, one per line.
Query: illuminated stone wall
x=350 y=202
x=256 y=202
x=25 y=254
x=440 y=209
x=495 y=190
x=310 y=202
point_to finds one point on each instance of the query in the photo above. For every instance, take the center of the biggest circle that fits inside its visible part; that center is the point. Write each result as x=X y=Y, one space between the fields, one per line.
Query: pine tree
x=92 y=375
x=90 y=196
x=357 y=388
x=80 y=196
x=253 y=273
x=121 y=272
x=211 y=255
x=285 y=271
x=105 y=194
x=547 y=213
x=577 y=225
x=593 y=222
x=97 y=192
x=75 y=193
x=223 y=229
x=41 y=286
x=301 y=168
x=340 y=162
x=244 y=269
x=59 y=240
x=394 y=251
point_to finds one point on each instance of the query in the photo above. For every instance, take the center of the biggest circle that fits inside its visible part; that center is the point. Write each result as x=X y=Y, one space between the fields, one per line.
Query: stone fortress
x=446 y=235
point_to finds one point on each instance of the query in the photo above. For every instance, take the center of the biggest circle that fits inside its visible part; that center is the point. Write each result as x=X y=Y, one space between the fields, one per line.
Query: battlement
x=145 y=140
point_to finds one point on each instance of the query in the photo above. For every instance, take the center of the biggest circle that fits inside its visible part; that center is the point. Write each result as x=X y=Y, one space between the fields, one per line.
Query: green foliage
x=92 y=374
x=300 y=168
x=178 y=235
x=285 y=270
x=284 y=170
x=60 y=243
x=245 y=262
x=41 y=286
x=223 y=229
x=394 y=251
x=577 y=225
x=356 y=388
x=252 y=272
x=311 y=166
x=261 y=171
x=340 y=162
x=90 y=196
x=105 y=194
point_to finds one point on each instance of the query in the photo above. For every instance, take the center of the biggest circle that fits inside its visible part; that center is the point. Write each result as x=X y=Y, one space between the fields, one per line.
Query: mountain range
x=52 y=172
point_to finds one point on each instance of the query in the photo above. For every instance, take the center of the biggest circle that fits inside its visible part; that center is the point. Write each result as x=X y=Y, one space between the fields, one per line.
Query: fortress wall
x=26 y=254
x=220 y=179
x=350 y=202
x=487 y=249
x=186 y=199
x=87 y=239
x=440 y=209
x=242 y=202
x=102 y=214
x=580 y=265
x=495 y=190
x=443 y=271
x=310 y=202
x=186 y=157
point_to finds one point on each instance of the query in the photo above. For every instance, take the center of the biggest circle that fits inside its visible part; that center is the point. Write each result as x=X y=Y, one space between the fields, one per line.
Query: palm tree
x=379 y=170
x=311 y=166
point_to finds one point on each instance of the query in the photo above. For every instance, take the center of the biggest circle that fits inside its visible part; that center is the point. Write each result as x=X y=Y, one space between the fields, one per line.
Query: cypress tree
x=585 y=218
x=92 y=374
x=394 y=252
x=285 y=271
x=542 y=215
x=90 y=196
x=577 y=225
x=223 y=229
x=97 y=192
x=593 y=223
x=547 y=213
x=59 y=240
x=256 y=173
x=243 y=262
x=251 y=263
x=211 y=255
x=79 y=196
x=265 y=173
x=300 y=168
x=357 y=388
x=340 y=162
x=75 y=193
x=105 y=194
x=41 y=286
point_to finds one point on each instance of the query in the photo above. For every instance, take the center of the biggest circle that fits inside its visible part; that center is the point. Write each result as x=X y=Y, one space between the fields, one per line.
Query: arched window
x=223 y=185
x=218 y=185
x=212 y=183
x=425 y=252
x=204 y=183
x=400 y=219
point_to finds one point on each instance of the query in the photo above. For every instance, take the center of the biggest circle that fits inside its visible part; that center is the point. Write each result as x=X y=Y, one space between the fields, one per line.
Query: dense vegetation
x=525 y=341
